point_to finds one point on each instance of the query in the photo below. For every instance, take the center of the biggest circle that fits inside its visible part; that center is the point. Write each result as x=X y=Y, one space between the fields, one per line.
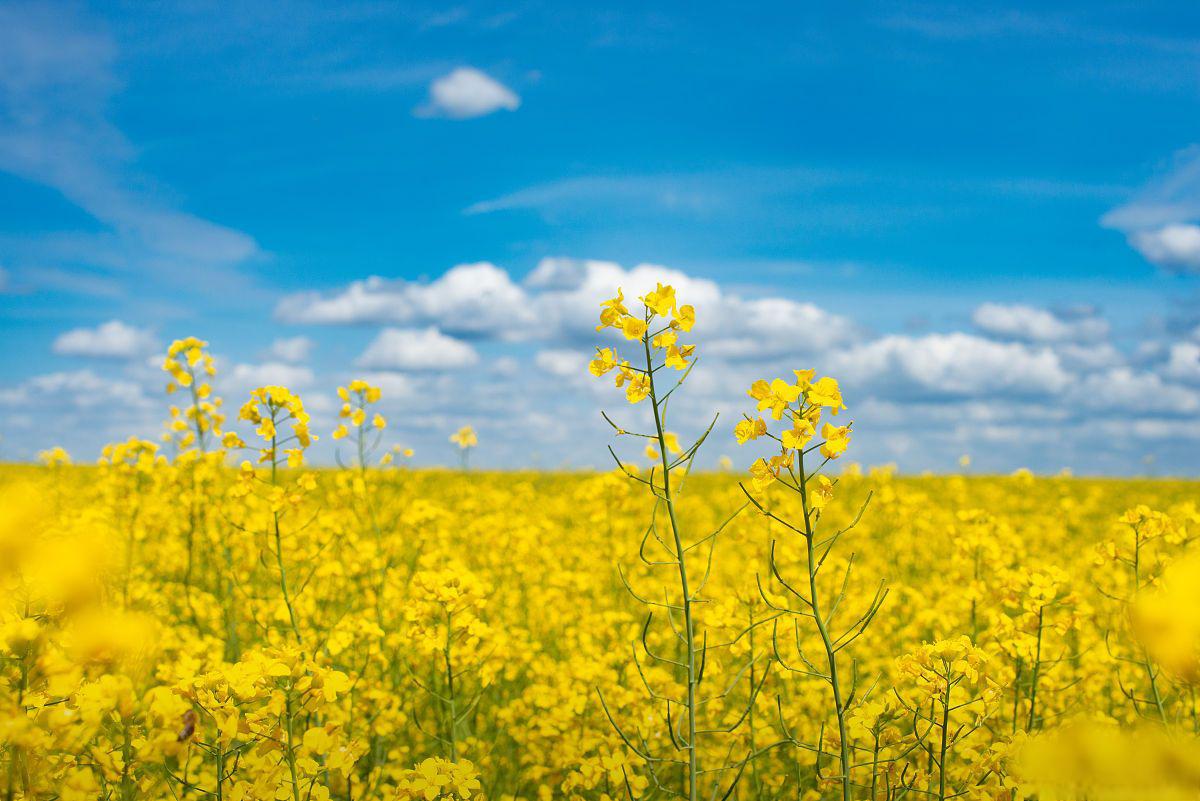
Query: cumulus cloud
x=394 y=386
x=561 y=363
x=467 y=92
x=1023 y=380
x=1174 y=247
x=957 y=364
x=290 y=350
x=1030 y=324
x=1091 y=356
x=81 y=389
x=1160 y=220
x=1133 y=392
x=559 y=299
x=417 y=349
x=728 y=325
x=78 y=409
x=1183 y=362
x=470 y=300
x=111 y=340
x=243 y=378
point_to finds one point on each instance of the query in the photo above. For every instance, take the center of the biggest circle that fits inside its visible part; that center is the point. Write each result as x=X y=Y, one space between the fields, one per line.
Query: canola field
x=209 y=617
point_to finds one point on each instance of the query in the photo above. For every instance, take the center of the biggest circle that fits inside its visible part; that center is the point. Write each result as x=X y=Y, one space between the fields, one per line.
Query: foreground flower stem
x=283 y=582
x=688 y=627
x=823 y=629
x=1151 y=674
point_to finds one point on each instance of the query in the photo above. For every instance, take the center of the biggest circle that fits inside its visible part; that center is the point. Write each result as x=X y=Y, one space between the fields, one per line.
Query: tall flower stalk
x=801 y=404
x=656 y=333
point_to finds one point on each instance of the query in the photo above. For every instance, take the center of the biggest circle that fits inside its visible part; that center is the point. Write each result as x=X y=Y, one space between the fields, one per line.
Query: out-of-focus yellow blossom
x=465 y=438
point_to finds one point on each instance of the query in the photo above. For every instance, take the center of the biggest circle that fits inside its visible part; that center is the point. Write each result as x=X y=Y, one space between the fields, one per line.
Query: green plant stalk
x=826 y=641
x=291 y=750
x=1149 y=666
x=452 y=702
x=945 y=737
x=283 y=583
x=1037 y=666
x=689 y=627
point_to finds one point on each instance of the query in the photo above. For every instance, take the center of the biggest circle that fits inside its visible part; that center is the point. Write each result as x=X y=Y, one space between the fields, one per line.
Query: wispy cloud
x=684 y=193
x=58 y=78
x=964 y=23
x=1160 y=219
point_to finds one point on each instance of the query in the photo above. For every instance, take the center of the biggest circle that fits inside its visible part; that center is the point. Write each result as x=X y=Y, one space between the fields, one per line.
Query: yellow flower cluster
x=355 y=399
x=282 y=407
x=658 y=304
x=437 y=778
x=192 y=368
x=465 y=438
x=801 y=403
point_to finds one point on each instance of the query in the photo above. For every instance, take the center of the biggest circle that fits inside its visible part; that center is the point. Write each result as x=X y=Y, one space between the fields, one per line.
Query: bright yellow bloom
x=661 y=301
x=605 y=361
x=685 y=318
x=665 y=339
x=761 y=475
x=799 y=434
x=633 y=328
x=612 y=311
x=776 y=396
x=820 y=492
x=826 y=392
x=638 y=388
x=677 y=356
x=837 y=439
x=747 y=430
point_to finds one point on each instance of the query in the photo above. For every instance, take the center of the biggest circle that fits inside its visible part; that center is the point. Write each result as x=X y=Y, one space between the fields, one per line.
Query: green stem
x=826 y=640
x=283 y=582
x=945 y=738
x=1033 y=681
x=689 y=627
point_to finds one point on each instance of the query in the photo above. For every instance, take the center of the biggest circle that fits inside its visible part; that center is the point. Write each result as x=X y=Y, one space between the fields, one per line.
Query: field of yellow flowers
x=209 y=618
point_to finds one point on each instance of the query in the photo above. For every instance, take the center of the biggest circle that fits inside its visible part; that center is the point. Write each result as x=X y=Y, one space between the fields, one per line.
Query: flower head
x=465 y=438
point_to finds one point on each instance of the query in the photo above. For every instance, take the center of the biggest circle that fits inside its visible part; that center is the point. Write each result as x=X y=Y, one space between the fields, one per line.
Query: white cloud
x=1093 y=356
x=466 y=92
x=417 y=349
x=290 y=350
x=562 y=363
x=471 y=300
x=392 y=386
x=1174 y=247
x=111 y=340
x=1131 y=393
x=1183 y=362
x=1159 y=221
x=947 y=365
x=775 y=327
x=236 y=384
x=727 y=325
x=81 y=389
x=1031 y=324
x=561 y=297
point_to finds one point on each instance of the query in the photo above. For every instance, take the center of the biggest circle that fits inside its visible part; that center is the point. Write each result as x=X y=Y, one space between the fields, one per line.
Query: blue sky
x=994 y=211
